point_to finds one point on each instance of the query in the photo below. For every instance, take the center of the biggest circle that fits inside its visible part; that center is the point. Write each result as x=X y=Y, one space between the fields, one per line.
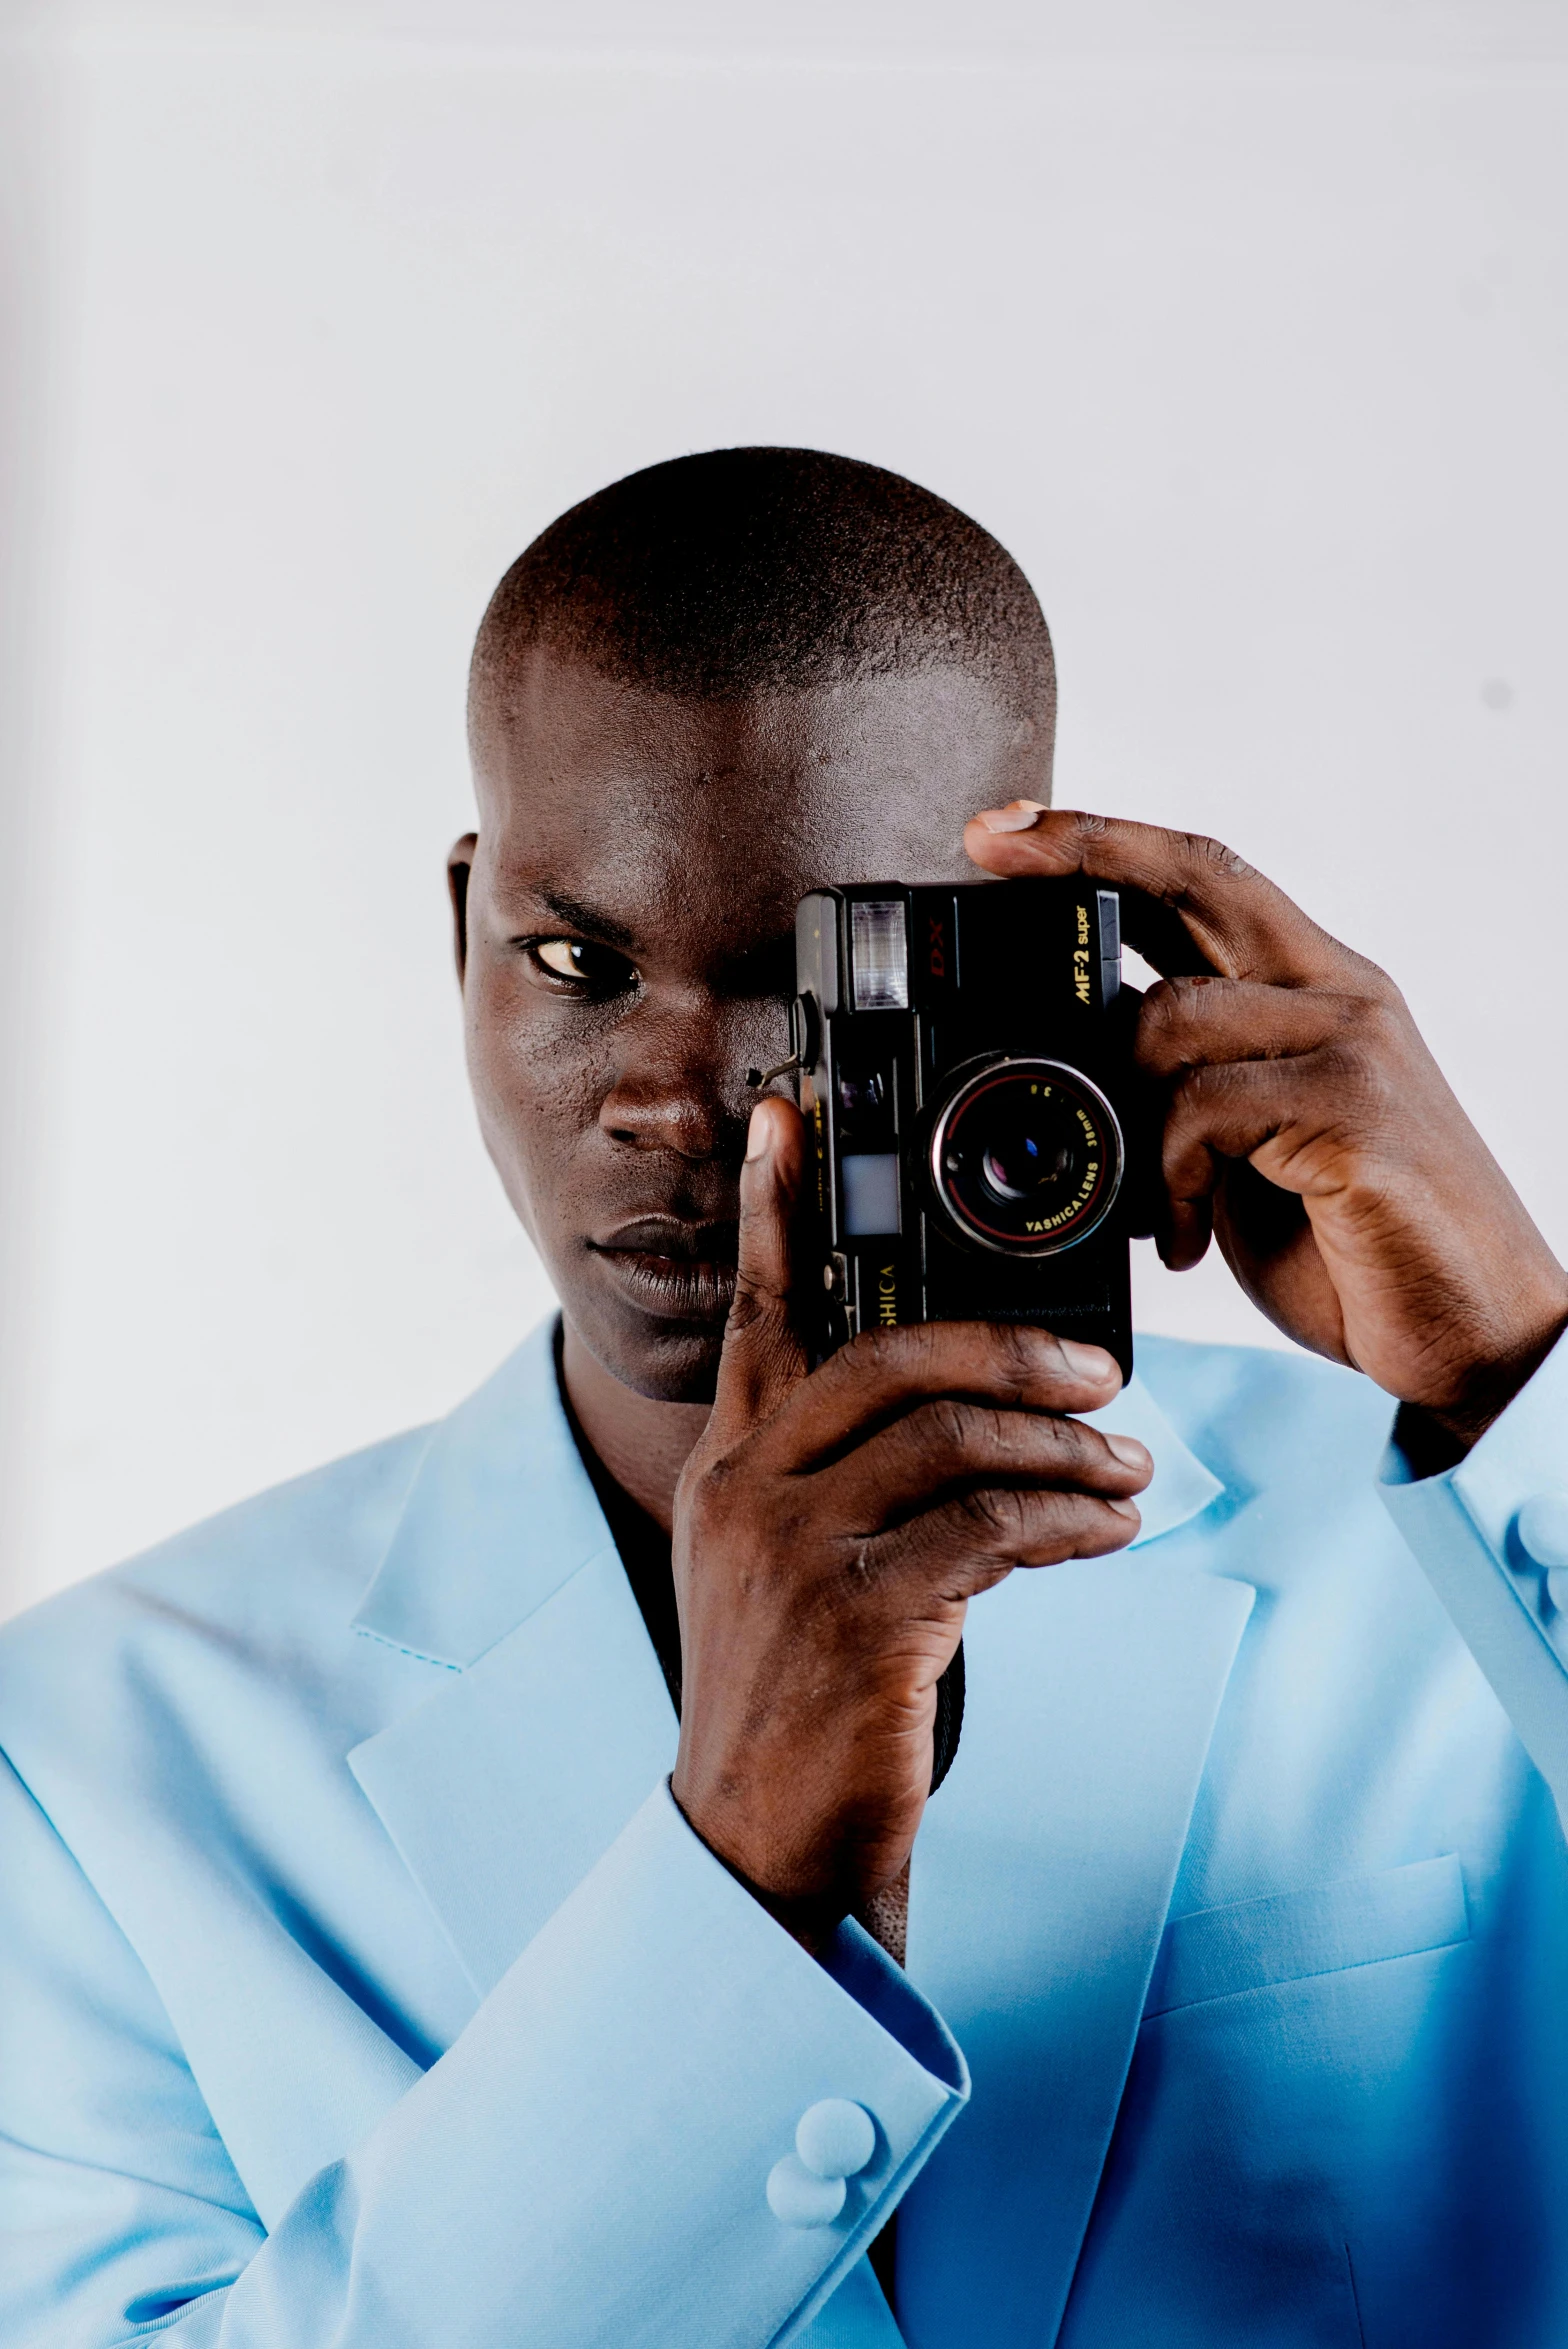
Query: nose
x=679 y=1081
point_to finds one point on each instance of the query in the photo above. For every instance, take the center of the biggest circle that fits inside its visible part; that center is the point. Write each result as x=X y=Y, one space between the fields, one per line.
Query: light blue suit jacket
x=362 y=1988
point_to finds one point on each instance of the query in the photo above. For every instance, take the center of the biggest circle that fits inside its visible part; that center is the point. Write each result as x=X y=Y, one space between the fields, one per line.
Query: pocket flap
x=1254 y=1943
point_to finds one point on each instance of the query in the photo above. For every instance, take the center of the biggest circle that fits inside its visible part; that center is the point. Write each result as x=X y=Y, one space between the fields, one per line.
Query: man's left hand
x=1308 y=1126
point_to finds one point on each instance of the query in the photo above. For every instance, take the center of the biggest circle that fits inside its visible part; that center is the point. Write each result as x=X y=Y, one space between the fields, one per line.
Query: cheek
x=538 y=1076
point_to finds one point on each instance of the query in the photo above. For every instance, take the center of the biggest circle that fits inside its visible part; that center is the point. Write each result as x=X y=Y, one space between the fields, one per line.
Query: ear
x=459 y=865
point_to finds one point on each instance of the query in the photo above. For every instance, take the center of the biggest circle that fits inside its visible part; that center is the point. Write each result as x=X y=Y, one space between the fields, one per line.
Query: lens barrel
x=1026 y=1156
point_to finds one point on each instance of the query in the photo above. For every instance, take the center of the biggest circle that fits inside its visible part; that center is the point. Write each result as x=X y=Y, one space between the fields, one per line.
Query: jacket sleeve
x=608 y=2153
x=1492 y=1535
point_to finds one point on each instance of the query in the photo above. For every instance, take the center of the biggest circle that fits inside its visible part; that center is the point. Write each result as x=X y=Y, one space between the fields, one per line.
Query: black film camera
x=966 y=1068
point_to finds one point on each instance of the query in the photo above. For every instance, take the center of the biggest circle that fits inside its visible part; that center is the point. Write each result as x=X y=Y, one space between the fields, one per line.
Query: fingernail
x=1128 y=1451
x=1022 y=814
x=1124 y=1508
x=1087 y=1361
x=757 y=1134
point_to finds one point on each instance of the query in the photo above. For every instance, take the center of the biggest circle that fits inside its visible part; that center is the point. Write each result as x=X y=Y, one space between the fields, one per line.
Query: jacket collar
x=1181 y=1487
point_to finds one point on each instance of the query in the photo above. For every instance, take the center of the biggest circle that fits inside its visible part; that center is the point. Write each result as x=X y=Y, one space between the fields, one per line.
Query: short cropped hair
x=745 y=571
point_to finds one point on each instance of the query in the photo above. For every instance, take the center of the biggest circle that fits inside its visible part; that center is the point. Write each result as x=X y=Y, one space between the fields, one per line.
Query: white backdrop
x=1243 y=326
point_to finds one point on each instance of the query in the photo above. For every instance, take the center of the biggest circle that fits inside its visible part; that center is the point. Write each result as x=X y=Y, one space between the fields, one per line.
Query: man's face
x=627 y=953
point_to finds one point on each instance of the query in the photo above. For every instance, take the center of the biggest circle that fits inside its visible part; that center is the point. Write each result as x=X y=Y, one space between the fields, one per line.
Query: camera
x=966 y=1072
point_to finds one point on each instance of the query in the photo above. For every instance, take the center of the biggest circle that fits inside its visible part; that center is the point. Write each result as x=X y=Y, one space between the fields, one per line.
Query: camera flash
x=879 y=955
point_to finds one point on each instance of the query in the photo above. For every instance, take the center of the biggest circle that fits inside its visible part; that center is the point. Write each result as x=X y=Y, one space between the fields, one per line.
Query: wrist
x=1437 y=1437
x=812 y=1919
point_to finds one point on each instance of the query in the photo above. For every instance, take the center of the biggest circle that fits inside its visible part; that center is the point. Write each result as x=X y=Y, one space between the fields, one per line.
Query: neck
x=643 y=1443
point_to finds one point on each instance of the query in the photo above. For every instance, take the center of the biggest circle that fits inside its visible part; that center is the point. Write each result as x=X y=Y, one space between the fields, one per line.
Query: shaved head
x=746 y=572
x=708 y=689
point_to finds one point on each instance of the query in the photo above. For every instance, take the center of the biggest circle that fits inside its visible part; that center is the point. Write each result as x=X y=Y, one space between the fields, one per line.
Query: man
x=383 y=1967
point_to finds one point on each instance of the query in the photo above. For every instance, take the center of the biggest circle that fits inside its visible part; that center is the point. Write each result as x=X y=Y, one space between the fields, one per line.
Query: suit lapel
x=516 y=1774
x=499 y=1515
x=1181 y=1487
x=1038 y=1895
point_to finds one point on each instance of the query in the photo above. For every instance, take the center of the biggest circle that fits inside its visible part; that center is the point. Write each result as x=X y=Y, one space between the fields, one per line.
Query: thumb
x=765 y=1354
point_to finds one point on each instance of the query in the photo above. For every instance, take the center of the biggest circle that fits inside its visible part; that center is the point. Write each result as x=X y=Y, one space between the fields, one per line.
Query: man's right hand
x=830 y=1529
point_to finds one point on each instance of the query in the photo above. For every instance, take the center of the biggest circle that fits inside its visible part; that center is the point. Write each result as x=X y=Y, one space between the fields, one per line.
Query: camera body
x=966 y=1073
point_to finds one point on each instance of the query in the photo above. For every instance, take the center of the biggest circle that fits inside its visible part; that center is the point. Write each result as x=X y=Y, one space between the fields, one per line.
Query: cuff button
x=835 y=2138
x=799 y=2198
x=1542 y=1527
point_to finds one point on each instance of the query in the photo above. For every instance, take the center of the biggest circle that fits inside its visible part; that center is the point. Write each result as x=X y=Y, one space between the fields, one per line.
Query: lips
x=671 y=1268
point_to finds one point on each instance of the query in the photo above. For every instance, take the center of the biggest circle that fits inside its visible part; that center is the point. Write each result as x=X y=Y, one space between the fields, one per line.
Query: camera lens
x=1026 y=1156
x=1027 y=1160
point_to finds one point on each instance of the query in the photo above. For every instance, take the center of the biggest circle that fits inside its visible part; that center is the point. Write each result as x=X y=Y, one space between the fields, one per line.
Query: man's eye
x=597 y=968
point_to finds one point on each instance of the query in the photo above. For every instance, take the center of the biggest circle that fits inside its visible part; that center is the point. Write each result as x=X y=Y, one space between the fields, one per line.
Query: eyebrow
x=577 y=916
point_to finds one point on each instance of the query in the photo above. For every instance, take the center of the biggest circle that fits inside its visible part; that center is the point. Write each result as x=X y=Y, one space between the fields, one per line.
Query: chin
x=668 y=1362
x=688 y=1373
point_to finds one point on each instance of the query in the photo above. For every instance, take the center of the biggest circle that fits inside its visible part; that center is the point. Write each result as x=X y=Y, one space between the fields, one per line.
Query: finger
x=1189 y=1024
x=1215 y=906
x=1286 y=1117
x=764 y=1353
x=946 y=1448
x=969 y=1543
x=1194 y=1022
x=882 y=1374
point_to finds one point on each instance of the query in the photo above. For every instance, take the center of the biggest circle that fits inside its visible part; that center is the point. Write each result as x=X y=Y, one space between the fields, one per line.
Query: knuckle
x=1047 y=1522
x=1383 y=1026
x=1159 y=1014
x=1079 y=1525
x=994 y=1514
x=1077 y=1448
x=865 y=1356
x=706 y=1502
x=1016 y=1351
x=1375 y=984
x=754 y=1301
x=1212 y=859
x=887 y=1353
x=1195 y=1090
x=1355 y=1070
x=716 y=1484
x=1190 y=994
x=951 y=1423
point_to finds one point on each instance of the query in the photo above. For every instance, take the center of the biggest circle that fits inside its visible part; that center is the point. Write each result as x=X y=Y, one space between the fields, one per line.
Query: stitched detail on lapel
x=400 y=1647
x=1288 y=1937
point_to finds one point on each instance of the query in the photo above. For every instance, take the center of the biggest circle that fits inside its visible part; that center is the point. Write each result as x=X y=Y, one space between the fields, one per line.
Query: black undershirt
x=646 y=1554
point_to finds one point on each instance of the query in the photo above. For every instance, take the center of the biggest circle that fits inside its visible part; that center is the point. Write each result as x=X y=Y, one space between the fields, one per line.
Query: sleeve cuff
x=1464 y=1528
x=631 y=2084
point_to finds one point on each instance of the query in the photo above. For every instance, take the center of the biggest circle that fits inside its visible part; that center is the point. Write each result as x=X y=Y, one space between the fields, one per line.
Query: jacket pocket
x=1288 y=1936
